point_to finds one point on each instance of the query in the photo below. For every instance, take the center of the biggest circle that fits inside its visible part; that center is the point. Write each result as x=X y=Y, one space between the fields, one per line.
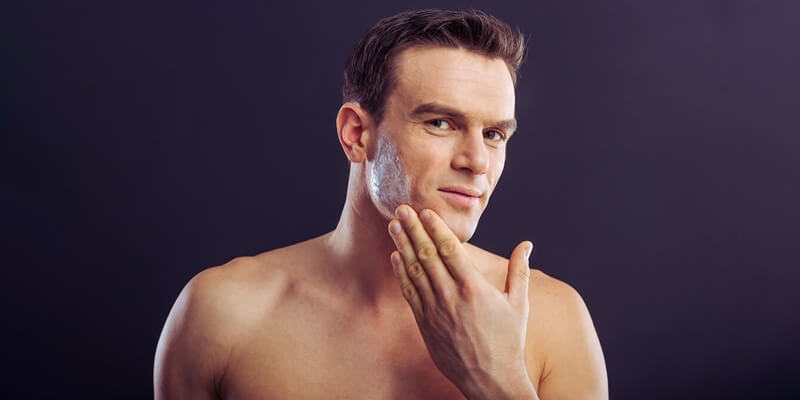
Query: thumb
x=519 y=274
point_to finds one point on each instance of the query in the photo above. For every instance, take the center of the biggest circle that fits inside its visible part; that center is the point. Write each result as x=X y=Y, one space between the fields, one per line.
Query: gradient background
x=656 y=168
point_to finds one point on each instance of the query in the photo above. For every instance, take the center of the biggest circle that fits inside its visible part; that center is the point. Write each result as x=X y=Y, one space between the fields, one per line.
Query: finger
x=519 y=275
x=414 y=269
x=426 y=252
x=406 y=285
x=451 y=251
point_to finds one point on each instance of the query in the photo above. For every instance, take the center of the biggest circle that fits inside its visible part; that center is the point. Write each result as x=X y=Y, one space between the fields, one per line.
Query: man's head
x=369 y=75
x=429 y=107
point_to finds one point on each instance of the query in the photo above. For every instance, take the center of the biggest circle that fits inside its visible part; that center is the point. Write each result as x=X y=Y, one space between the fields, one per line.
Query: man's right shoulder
x=233 y=292
x=245 y=289
x=214 y=311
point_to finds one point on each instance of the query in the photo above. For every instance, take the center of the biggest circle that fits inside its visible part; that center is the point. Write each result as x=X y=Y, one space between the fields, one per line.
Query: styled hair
x=369 y=73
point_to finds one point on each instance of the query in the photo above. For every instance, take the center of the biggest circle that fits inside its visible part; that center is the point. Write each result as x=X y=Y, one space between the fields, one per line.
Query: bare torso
x=309 y=339
x=290 y=323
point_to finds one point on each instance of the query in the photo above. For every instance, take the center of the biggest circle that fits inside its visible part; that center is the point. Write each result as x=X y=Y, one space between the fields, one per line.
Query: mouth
x=462 y=190
x=461 y=197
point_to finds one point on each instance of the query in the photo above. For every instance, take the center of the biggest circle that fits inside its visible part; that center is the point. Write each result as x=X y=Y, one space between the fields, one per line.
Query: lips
x=462 y=190
x=461 y=198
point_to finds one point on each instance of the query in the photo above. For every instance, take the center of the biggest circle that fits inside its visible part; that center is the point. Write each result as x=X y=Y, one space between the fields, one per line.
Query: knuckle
x=448 y=300
x=408 y=291
x=468 y=290
x=426 y=253
x=447 y=248
x=415 y=269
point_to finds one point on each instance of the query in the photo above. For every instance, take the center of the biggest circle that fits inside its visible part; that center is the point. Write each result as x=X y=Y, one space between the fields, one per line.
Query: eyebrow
x=436 y=108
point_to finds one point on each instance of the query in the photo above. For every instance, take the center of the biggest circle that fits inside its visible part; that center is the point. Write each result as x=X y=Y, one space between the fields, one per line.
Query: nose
x=472 y=153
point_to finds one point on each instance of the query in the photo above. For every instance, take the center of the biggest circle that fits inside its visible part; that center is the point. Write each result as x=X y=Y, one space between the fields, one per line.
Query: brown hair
x=368 y=76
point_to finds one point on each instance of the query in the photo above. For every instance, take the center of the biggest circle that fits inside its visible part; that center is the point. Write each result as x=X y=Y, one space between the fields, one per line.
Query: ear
x=353 y=124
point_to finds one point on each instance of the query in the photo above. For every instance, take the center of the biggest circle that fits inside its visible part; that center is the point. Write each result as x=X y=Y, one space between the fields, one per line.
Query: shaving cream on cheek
x=388 y=181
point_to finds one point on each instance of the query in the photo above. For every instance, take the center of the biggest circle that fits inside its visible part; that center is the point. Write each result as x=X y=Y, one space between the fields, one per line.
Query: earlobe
x=351 y=124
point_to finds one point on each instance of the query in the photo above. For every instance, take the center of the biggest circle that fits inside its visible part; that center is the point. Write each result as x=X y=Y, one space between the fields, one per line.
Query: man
x=394 y=303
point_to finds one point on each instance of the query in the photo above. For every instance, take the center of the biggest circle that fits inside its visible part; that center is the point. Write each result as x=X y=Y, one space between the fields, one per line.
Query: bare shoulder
x=253 y=283
x=231 y=299
x=565 y=342
x=555 y=298
x=234 y=291
x=552 y=296
x=563 y=351
x=546 y=288
x=214 y=311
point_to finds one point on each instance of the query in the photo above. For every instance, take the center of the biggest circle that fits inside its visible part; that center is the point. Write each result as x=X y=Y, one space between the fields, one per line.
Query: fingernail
x=395 y=258
x=394 y=227
x=401 y=212
x=530 y=249
x=426 y=215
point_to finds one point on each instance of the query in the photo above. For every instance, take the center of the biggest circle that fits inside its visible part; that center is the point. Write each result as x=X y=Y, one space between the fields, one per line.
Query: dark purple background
x=656 y=168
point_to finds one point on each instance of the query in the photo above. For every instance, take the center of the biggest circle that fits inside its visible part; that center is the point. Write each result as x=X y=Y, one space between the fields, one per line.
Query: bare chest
x=346 y=363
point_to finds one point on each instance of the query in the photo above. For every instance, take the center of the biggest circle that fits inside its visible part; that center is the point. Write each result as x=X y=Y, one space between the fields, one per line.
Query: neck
x=359 y=251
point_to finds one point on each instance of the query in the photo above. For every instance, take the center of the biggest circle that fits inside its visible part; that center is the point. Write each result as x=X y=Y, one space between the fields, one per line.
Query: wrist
x=516 y=386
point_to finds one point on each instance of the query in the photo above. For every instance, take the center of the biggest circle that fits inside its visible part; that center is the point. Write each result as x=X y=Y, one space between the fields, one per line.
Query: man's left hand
x=474 y=333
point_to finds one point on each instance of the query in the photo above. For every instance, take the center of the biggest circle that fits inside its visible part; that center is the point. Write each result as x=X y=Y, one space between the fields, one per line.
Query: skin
x=388 y=180
x=475 y=335
x=337 y=317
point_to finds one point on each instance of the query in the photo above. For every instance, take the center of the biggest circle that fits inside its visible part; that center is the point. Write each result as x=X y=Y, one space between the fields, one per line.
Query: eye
x=440 y=124
x=495 y=135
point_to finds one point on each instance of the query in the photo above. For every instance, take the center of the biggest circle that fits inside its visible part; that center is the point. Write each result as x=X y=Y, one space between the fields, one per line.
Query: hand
x=474 y=333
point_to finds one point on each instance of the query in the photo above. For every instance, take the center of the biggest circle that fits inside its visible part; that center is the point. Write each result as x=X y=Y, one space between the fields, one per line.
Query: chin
x=462 y=224
x=463 y=230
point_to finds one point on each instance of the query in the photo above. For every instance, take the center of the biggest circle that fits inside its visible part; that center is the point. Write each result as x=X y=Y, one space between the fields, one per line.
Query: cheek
x=388 y=181
x=496 y=170
x=423 y=171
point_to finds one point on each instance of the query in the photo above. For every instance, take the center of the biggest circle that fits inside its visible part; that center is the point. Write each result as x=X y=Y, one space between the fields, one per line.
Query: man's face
x=442 y=142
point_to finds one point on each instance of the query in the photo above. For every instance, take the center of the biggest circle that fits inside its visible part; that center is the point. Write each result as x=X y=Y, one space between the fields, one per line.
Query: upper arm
x=573 y=363
x=191 y=350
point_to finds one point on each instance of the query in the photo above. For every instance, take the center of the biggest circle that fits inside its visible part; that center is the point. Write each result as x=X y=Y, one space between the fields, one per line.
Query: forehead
x=472 y=83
